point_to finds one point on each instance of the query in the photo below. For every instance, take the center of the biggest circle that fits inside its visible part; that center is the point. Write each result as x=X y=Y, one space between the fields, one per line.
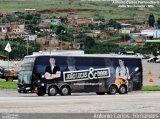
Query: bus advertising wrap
x=90 y=74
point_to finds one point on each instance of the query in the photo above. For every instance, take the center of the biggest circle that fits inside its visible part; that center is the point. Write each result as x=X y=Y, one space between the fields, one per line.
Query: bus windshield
x=25 y=74
x=25 y=77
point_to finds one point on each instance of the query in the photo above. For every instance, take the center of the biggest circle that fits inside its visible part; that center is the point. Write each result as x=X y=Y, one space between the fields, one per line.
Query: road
x=12 y=102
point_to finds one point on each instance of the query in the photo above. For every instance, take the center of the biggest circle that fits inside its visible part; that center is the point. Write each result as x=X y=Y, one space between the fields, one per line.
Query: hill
x=104 y=9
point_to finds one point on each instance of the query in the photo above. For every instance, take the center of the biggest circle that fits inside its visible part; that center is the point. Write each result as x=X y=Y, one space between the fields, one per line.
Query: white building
x=30 y=37
x=155 y=33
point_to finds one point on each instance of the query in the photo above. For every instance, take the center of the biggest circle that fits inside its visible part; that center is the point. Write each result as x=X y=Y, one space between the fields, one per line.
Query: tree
x=89 y=42
x=101 y=26
x=151 y=20
x=158 y=23
x=86 y=41
x=18 y=47
x=114 y=23
x=59 y=30
x=28 y=17
x=91 y=26
x=103 y=47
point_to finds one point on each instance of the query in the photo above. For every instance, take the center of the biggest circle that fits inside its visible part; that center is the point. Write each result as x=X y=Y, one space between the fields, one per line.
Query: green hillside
x=104 y=9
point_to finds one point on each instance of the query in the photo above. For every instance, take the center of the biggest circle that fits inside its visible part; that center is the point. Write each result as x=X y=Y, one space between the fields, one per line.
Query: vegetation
x=106 y=15
x=19 y=47
x=158 y=23
x=31 y=22
x=8 y=85
x=114 y=23
x=151 y=20
x=64 y=34
x=104 y=47
x=151 y=88
x=104 y=9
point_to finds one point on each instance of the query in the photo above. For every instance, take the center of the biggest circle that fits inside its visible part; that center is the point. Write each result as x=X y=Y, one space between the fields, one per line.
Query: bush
x=125 y=37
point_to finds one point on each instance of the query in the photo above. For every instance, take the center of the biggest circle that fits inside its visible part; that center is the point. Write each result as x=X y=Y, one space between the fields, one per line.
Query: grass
x=105 y=9
x=151 y=88
x=8 y=85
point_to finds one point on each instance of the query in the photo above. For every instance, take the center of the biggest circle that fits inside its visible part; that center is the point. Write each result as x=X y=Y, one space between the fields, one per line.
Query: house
x=17 y=30
x=55 y=22
x=125 y=31
x=152 y=33
x=44 y=26
x=4 y=29
x=14 y=35
x=46 y=20
x=72 y=19
x=83 y=21
x=12 y=30
x=30 y=37
x=17 y=27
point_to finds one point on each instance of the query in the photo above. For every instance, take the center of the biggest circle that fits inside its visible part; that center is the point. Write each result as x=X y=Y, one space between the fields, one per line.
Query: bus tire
x=123 y=89
x=19 y=91
x=52 y=90
x=100 y=93
x=65 y=90
x=41 y=91
x=40 y=94
x=130 y=86
x=112 y=90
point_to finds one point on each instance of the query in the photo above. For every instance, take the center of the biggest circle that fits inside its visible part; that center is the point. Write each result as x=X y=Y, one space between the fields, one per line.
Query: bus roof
x=90 y=55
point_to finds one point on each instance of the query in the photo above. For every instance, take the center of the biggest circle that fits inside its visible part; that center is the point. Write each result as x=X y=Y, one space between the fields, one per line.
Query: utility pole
x=50 y=40
x=62 y=31
x=27 y=43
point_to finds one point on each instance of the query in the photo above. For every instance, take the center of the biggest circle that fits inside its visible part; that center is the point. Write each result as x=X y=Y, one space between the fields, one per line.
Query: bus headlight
x=42 y=76
x=42 y=84
x=28 y=88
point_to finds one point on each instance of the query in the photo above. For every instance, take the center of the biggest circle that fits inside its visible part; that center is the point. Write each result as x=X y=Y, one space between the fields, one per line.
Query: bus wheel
x=65 y=90
x=41 y=91
x=52 y=90
x=123 y=89
x=130 y=86
x=100 y=93
x=112 y=90
x=19 y=91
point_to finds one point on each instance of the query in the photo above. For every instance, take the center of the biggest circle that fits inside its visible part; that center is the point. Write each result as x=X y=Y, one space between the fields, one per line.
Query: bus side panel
x=75 y=72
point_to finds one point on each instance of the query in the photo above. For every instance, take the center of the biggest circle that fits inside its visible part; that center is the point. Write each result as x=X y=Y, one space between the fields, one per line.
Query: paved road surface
x=12 y=102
